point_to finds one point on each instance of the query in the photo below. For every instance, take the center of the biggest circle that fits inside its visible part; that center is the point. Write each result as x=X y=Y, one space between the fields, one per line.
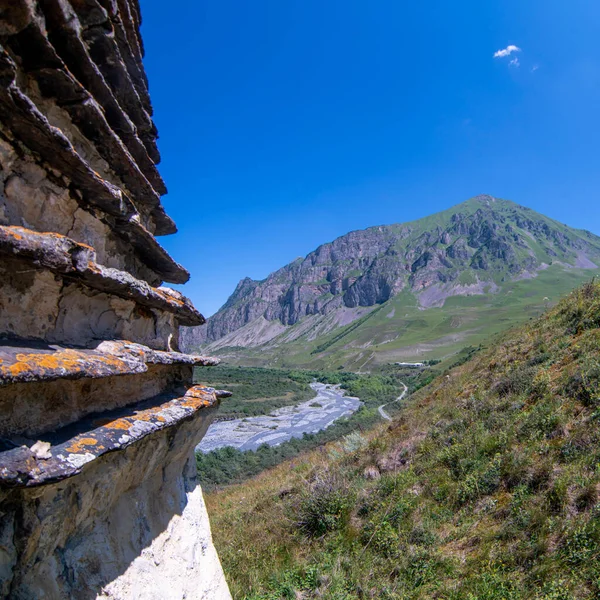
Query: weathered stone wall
x=99 y=417
x=137 y=533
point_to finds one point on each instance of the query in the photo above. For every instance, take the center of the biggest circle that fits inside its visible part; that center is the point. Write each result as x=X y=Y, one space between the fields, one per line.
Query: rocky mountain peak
x=470 y=247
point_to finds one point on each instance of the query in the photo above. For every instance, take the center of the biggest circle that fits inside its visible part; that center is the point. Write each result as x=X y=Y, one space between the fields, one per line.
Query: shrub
x=383 y=538
x=325 y=506
x=558 y=496
x=586 y=497
x=543 y=421
x=582 y=544
x=539 y=359
x=422 y=536
x=482 y=483
x=581 y=310
x=555 y=590
x=517 y=381
x=584 y=384
x=402 y=509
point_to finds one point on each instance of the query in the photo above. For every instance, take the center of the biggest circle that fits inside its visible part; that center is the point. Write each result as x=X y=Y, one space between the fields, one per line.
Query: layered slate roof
x=82 y=306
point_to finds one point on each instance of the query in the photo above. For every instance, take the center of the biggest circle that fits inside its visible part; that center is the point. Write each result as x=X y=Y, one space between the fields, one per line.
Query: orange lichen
x=14 y=234
x=80 y=445
x=169 y=298
x=86 y=246
x=72 y=361
x=197 y=397
x=30 y=233
x=123 y=424
x=92 y=266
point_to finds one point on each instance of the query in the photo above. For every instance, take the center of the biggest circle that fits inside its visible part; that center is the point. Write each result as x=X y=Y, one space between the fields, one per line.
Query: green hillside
x=400 y=330
x=484 y=487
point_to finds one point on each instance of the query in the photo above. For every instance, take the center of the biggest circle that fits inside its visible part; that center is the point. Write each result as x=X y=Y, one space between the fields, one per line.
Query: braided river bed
x=283 y=424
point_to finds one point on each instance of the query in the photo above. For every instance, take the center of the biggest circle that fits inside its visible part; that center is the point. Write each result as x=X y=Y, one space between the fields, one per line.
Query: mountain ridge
x=473 y=248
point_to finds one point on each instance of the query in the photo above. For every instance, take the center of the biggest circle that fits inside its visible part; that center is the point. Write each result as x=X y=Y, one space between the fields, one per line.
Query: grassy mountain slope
x=485 y=486
x=413 y=291
x=402 y=331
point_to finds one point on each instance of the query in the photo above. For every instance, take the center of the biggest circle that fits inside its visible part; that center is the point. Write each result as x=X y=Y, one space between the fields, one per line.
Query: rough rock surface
x=460 y=251
x=76 y=261
x=99 y=416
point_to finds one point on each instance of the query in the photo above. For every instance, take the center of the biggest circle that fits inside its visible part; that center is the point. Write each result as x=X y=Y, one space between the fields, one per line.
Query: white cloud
x=506 y=51
x=534 y=68
x=515 y=63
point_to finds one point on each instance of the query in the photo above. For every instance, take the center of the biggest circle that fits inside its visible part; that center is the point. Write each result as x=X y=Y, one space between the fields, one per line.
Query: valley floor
x=283 y=424
x=239 y=448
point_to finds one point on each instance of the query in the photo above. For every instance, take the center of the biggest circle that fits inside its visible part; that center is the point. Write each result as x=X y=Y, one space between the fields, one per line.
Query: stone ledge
x=27 y=362
x=155 y=357
x=103 y=49
x=74 y=260
x=62 y=454
x=66 y=31
x=131 y=56
x=30 y=126
x=39 y=58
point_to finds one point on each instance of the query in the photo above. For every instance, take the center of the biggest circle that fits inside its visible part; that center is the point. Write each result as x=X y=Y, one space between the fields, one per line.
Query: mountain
x=406 y=291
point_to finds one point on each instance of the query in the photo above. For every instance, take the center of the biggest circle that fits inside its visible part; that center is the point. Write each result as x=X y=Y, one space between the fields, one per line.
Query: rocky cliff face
x=474 y=245
x=98 y=414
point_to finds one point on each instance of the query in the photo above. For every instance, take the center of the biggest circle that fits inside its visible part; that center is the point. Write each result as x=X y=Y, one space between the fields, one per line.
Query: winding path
x=398 y=399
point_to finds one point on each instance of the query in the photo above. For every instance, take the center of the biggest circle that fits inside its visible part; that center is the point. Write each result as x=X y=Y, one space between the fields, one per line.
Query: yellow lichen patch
x=20 y=233
x=198 y=397
x=71 y=361
x=146 y=415
x=92 y=266
x=80 y=445
x=87 y=246
x=14 y=234
x=123 y=424
x=199 y=392
x=169 y=298
x=17 y=369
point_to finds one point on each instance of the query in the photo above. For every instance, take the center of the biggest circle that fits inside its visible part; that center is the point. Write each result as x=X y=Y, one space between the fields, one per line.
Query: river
x=283 y=424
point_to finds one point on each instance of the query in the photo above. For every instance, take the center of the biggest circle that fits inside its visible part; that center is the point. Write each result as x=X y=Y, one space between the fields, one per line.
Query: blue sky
x=284 y=124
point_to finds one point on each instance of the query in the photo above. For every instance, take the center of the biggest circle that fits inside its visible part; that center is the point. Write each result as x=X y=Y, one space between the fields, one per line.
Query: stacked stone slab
x=98 y=413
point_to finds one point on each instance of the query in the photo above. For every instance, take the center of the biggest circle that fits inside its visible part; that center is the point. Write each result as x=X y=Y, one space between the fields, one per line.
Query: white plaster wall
x=180 y=563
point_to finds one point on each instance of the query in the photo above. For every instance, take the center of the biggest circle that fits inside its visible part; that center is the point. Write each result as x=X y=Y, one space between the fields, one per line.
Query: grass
x=485 y=486
x=345 y=331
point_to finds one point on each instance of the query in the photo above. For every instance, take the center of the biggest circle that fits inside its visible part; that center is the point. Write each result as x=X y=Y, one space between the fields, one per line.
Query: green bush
x=581 y=310
x=517 y=381
x=582 y=544
x=325 y=506
x=584 y=384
